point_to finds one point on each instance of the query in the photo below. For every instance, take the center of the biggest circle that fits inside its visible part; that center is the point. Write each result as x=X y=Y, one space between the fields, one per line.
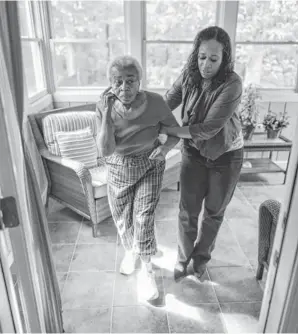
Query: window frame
x=53 y=40
x=135 y=44
x=269 y=43
x=146 y=41
x=38 y=38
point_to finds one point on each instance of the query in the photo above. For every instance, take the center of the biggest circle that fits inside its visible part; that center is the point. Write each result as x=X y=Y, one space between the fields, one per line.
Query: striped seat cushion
x=78 y=145
x=66 y=121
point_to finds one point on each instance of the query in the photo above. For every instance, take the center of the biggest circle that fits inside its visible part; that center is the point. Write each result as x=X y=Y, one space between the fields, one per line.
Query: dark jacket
x=218 y=123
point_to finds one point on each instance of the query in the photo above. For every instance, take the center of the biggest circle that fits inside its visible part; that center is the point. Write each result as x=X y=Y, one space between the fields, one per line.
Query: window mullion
x=134 y=29
x=227 y=19
x=31 y=18
x=44 y=15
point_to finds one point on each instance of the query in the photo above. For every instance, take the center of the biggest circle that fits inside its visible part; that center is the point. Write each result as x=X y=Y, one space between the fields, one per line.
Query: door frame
x=12 y=183
x=277 y=312
x=7 y=322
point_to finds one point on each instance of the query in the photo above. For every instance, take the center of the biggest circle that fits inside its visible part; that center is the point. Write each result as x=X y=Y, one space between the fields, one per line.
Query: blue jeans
x=215 y=183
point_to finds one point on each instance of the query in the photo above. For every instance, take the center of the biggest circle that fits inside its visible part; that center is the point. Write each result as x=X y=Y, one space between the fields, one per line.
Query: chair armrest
x=71 y=182
x=268 y=217
x=76 y=166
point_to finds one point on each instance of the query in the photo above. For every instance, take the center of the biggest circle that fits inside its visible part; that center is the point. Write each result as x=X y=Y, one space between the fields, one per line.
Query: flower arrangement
x=273 y=122
x=249 y=113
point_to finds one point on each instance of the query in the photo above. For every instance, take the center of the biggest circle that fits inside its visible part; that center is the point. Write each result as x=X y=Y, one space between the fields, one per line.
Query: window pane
x=270 y=66
x=178 y=20
x=33 y=67
x=165 y=62
x=88 y=19
x=84 y=64
x=267 y=21
x=25 y=19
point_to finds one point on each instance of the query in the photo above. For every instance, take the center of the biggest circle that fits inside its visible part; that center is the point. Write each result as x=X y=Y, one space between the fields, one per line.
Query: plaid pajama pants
x=134 y=185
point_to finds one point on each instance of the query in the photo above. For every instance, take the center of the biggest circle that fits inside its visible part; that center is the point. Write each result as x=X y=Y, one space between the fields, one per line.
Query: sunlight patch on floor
x=166 y=258
x=175 y=306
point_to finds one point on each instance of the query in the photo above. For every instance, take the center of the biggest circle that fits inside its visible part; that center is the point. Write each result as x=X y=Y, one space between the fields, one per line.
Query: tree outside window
x=171 y=27
x=267 y=43
x=86 y=36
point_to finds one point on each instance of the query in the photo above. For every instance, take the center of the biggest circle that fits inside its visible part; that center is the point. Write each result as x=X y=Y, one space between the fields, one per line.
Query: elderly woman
x=129 y=120
x=209 y=91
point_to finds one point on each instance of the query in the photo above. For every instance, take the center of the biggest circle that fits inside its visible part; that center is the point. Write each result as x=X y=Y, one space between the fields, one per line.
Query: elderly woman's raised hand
x=108 y=99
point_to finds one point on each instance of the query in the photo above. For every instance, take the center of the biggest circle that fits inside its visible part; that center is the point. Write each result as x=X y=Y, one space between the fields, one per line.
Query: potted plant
x=248 y=109
x=274 y=123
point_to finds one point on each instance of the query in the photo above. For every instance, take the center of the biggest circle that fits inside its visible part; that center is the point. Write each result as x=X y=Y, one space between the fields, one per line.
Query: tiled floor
x=96 y=298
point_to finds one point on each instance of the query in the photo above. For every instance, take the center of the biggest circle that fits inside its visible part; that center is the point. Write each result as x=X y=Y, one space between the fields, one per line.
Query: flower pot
x=272 y=134
x=248 y=132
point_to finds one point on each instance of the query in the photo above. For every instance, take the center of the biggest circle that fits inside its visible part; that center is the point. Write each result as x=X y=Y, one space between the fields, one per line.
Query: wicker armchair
x=268 y=217
x=74 y=185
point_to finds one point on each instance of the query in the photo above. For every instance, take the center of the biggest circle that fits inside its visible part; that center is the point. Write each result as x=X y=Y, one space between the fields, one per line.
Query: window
x=31 y=48
x=86 y=36
x=171 y=27
x=267 y=43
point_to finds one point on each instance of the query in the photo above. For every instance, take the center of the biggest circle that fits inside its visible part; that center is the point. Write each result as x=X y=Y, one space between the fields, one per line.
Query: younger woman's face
x=209 y=58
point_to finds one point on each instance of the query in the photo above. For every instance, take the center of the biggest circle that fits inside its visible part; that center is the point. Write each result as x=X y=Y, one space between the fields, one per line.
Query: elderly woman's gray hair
x=124 y=62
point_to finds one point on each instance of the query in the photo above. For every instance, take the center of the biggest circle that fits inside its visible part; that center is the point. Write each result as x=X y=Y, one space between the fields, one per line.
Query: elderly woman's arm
x=105 y=139
x=218 y=115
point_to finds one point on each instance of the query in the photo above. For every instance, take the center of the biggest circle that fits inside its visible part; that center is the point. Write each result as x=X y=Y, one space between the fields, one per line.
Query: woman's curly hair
x=191 y=69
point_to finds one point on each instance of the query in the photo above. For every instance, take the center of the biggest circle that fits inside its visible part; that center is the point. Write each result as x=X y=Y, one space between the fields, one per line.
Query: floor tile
x=189 y=291
x=139 y=319
x=128 y=290
x=273 y=178
x=227 y=251
x=246 y=232
x=166 y=232
x=277 y=192
x=64 y=233
x=257 y=195
x=93 y=320
x=169 y=196
x=235 y=284
x=166 y=212
x=241 y=317
x=250 y=179
x=203 y=318
x=191 y=306
x=62 y=256
x=240 y=208
x=108 y=233
x=93 y=257
x=86 y=289
x=64 y=215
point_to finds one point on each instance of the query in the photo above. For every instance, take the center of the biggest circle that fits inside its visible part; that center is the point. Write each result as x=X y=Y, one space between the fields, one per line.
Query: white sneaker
x=148 y=283
x=128 y=264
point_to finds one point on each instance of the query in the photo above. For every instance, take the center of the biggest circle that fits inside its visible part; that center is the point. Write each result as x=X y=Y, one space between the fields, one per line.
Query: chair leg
x=95 y=231
x=260 y=271
x=178 y=186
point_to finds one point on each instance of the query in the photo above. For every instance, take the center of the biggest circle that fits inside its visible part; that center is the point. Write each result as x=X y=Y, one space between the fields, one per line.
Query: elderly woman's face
x=209 y=58
x=125 y=84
